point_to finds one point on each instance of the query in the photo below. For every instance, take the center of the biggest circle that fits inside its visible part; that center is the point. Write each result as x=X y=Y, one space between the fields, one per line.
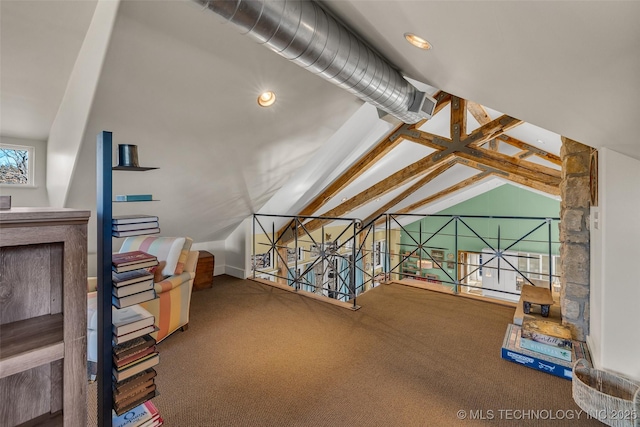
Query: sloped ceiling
x=182 y=86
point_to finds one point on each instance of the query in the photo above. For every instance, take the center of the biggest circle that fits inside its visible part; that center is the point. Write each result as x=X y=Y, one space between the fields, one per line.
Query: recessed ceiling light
x=417 y=41
x=540 y=141
x=378 y=199
x=344 y=199
x=266 y=99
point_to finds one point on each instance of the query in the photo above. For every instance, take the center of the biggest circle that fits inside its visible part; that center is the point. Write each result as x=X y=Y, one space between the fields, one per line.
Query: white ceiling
x=182 y=85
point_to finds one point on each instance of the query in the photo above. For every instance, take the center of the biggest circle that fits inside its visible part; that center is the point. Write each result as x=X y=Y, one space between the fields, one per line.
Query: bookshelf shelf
x=30 y=343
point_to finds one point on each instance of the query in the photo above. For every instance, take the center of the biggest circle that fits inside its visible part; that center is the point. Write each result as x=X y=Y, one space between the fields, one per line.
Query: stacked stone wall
x=574 y=237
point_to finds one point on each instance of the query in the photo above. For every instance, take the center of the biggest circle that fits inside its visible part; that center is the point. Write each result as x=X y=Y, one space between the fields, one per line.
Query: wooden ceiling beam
x=523 y=154
x=440 y=194
x=409 y=191
x=392 y=139
x=357 y=169
x=490 y=130
x=458 y=123
x=549 y=188
x=511 y=165
x=478 y=112
x=423 y=166
x=550 y=157
x=481 y=115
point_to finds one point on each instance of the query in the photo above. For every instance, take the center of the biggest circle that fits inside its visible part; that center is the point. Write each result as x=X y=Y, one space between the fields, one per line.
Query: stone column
x=574 y=237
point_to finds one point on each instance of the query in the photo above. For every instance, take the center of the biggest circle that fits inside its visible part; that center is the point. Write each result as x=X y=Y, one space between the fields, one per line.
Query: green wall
x=506 y=200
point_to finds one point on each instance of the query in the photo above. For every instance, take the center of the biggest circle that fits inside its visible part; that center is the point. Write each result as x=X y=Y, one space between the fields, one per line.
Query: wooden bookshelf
x=43 y=316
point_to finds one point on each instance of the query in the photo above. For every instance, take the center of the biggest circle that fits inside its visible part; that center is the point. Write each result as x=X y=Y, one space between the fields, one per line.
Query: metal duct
x=304 y=33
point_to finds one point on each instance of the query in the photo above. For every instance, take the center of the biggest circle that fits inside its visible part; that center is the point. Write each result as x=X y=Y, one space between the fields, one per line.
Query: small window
x=16 y=165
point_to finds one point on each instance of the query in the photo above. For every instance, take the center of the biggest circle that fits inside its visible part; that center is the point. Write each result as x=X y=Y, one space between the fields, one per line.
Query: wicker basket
x=611 y=399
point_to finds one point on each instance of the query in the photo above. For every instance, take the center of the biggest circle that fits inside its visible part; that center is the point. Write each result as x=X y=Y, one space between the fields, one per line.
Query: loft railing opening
x=489 y=256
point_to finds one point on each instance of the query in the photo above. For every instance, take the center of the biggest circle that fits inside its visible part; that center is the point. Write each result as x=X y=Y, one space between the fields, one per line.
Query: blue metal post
x=104 y=216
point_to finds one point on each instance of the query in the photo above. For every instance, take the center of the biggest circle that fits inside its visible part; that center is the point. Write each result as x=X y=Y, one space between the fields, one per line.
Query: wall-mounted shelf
x=105 y=246
x=132 y=168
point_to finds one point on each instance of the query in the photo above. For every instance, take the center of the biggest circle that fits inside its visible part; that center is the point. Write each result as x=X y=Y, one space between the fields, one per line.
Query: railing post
x=455 y=274
x=295 y=253
x=550 y=257
x=352 y=270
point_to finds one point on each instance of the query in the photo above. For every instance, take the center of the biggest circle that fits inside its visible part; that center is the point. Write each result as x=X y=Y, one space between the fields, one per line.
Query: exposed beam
x=409 y=191
x=458 y=123
x=511 y=165
x=481 y=115
x=401 y=177
x=536 y=184
x=357 y=169
x=365 y=162
x=523 y=154
x=493 y=129
x=550 y=157
x=478 y=112
x=440 y=194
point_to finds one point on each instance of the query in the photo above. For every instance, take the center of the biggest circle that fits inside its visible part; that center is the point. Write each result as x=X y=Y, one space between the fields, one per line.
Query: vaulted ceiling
x=182 y=85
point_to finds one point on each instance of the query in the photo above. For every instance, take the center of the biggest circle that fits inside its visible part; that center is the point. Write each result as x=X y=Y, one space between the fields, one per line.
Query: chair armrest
x=173 y=282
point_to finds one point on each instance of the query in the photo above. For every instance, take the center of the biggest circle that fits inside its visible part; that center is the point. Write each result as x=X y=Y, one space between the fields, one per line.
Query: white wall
x=29 y=196
x=238 y=247
x=615 y=295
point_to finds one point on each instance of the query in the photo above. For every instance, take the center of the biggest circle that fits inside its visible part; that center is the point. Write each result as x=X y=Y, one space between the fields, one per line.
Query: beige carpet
x=259 y=356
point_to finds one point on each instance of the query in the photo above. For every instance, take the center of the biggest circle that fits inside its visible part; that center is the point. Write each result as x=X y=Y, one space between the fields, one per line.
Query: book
x=546 y=332
x=549 y=350
x=127 y=268
x=133 y=382
x=133 y=346
x=139 y=388
x=155 y=422
x=131 y=258
x=135 y=288
x=135 y=226
x=133 y=299
x=135 y=232
x=136 y=416
x=130 y=277
x=129 y=371
x=119 y=363
x=127 y=320
x=119 y=339
x=135 y=400
x=513 y=352
x=133 y=198
x=133 y=219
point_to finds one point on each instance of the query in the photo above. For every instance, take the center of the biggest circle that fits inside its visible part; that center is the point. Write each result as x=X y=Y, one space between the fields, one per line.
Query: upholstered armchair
x=173 y=289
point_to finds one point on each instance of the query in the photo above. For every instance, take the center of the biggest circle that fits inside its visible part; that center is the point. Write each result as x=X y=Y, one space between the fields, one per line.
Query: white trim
x=235 y=271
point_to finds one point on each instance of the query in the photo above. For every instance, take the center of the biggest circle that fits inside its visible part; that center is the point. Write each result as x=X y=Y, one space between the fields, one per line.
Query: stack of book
x=548 y=338
x=144 y=415
x=513 y=350
x=134 y=225
x=134 y=356
x=132 y=288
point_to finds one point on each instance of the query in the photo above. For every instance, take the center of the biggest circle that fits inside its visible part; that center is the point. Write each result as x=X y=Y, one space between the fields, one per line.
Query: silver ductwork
x=303 y=32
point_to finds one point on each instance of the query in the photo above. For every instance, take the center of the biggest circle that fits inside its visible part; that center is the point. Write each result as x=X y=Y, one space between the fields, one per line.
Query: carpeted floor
x=259 y=356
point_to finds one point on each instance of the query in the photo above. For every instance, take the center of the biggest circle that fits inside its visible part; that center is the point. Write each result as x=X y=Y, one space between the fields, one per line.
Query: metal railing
x=339 y=258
